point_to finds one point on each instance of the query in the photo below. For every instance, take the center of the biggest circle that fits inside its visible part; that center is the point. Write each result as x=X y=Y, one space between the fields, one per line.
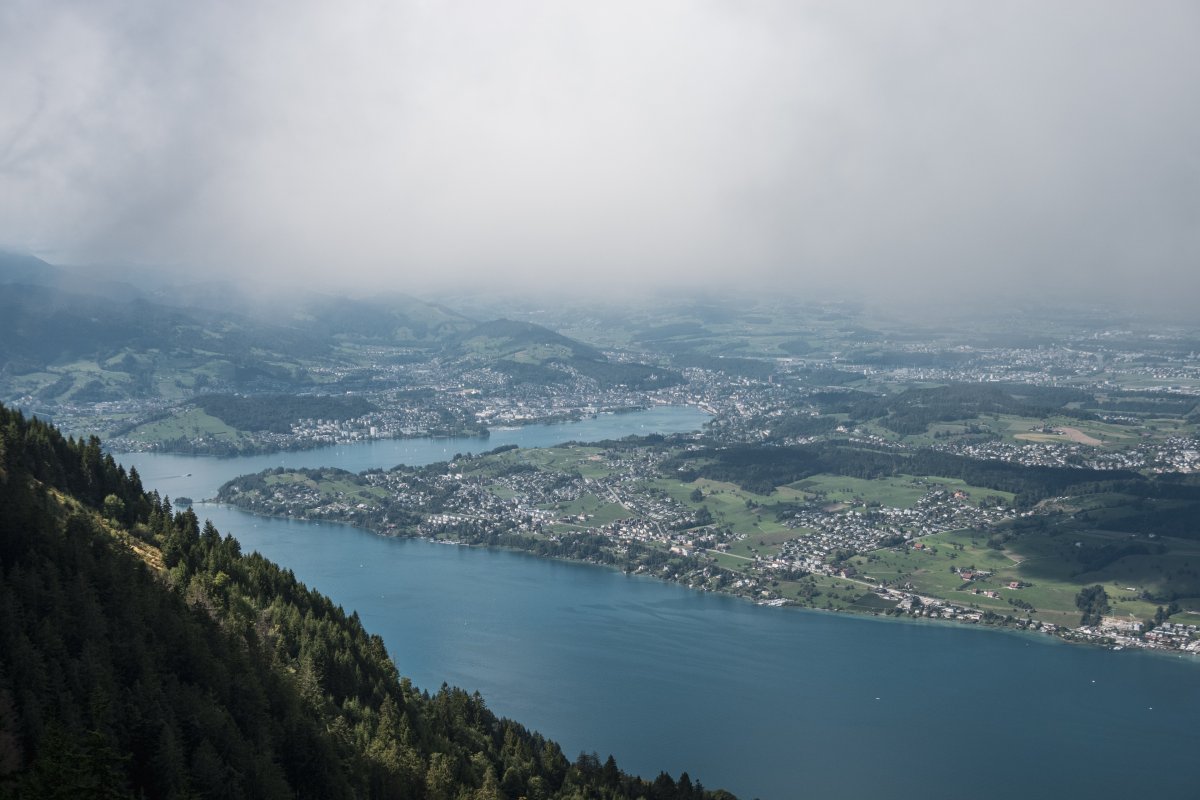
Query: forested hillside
x=143 y=655
x=278 y=412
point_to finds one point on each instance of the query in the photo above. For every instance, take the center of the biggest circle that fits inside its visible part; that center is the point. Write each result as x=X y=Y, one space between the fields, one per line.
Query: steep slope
x=67 y=335
x=142 y=654
x=27 y=269
x=111 y=348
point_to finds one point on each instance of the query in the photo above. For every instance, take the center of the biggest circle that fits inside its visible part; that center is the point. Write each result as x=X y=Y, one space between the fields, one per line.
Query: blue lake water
x=199 y=477
x=774 y=703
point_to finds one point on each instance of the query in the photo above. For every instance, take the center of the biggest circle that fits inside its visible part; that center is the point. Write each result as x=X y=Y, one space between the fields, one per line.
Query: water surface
x=775 y=703
x=199 y=477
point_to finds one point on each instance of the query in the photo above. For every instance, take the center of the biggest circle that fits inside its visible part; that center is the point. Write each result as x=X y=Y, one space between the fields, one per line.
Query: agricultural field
x=595 y=512
x=587 y=461
x=1048 y=569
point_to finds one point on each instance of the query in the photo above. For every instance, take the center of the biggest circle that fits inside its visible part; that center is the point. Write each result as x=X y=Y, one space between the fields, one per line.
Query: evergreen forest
x=142 y=654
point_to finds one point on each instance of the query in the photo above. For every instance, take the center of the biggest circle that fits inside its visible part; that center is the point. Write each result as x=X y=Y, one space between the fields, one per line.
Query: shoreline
x=1069 y=636
x=301 y=446
x=298 y=447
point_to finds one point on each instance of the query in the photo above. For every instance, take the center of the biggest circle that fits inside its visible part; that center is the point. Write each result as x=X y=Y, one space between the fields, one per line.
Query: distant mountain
x=43 y=324
x=143 y=655
x=22 y=268
x=88 y=341
x=27 y=269
x=290 y=321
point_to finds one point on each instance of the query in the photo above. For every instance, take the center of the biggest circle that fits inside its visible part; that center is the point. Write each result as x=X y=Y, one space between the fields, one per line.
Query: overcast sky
x=934 y=146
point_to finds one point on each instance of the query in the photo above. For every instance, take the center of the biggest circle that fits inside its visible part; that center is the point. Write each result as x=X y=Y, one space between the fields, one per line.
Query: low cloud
x=896 y=149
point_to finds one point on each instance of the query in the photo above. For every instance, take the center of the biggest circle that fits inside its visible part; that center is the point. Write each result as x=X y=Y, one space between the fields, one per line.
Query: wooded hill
x=278 y=412
x=762 y=468
x=914 y=410
x=143 y=655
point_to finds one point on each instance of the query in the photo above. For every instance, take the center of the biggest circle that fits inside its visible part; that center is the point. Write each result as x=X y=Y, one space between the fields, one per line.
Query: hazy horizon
x=930 y=152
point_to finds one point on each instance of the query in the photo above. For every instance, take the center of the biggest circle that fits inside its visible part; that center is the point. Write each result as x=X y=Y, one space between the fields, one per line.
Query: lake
x=774 y=703
x=199 y=477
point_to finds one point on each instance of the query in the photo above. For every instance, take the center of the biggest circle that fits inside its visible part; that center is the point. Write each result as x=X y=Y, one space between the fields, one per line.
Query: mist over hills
x=64 y=337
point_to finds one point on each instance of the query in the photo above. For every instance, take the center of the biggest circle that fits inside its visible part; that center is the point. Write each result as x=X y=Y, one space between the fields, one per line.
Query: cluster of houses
x=831 y=529
x=1173 y=454
x=1120 y=632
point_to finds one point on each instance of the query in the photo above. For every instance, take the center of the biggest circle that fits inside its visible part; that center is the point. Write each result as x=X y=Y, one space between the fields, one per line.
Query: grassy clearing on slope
x=742 y=511
x=190 y=424
x=900 y=491
x=587 y=461
x=598 y=511
x=343 y=488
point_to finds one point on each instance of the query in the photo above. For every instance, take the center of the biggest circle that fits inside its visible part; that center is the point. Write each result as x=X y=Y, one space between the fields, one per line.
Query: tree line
x=912 y=411
x=760 y=468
